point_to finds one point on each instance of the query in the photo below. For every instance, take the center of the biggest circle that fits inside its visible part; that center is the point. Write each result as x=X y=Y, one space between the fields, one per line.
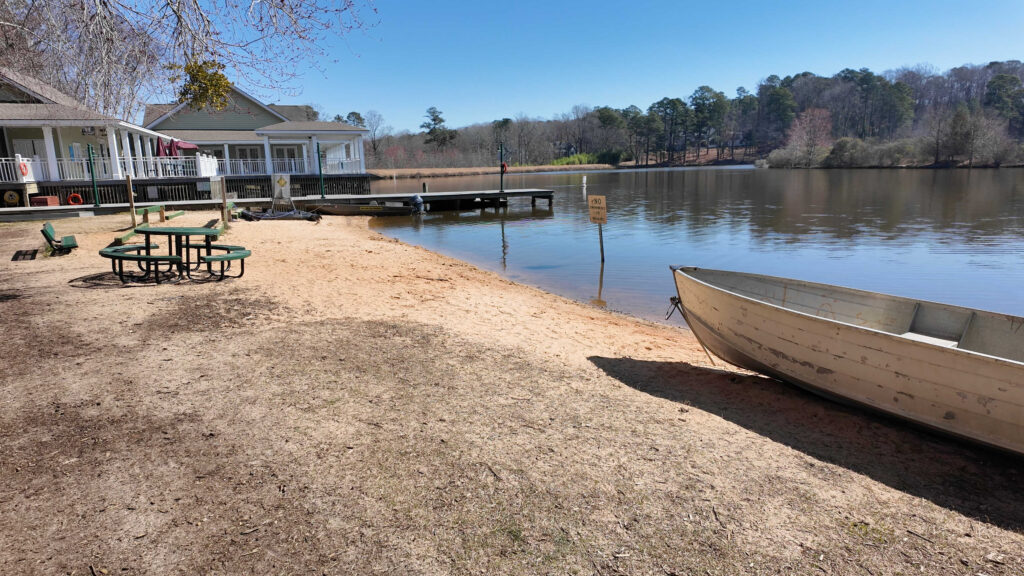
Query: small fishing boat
x=953 y=369
x=361 y=209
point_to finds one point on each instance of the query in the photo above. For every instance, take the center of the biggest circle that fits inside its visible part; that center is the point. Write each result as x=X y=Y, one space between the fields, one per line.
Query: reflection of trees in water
x=787 y=205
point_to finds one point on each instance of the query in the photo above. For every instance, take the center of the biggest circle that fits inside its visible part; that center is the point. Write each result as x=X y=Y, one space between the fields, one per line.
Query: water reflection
x=952 y=236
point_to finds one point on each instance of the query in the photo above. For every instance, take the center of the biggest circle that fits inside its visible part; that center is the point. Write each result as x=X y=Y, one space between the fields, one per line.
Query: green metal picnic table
x=181 y=244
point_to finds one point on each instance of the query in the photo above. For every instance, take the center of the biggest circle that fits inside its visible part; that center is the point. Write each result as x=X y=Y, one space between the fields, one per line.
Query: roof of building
x=154 y=111
x=311 y=127
x=303 y=113
x=49 y=112
x=201 y=136
x=39 y=88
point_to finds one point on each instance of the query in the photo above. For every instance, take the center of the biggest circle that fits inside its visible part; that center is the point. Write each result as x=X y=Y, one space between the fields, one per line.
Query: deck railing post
x=320 y=168
x=92 y=174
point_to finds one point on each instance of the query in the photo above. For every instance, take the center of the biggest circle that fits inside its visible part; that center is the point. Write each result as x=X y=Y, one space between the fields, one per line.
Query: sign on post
x=598 y=209
x=282 y=186
x=599 y=216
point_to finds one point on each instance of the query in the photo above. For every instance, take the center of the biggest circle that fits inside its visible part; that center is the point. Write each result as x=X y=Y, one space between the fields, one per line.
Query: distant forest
x=972 y=115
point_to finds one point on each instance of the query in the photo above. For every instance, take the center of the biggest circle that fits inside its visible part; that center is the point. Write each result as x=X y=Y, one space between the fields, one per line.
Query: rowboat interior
x=987 y=333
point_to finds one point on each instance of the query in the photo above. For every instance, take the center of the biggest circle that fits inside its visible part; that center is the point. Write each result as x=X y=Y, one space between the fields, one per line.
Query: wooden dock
x=437 y=201
x=434 y=201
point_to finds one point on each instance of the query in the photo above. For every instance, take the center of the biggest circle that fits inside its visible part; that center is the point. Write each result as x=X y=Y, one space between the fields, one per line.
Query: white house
x=46 y=136
x=249 y=137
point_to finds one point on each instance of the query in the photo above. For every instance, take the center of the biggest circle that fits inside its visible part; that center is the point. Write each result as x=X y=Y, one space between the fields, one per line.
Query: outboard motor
x=417 y=204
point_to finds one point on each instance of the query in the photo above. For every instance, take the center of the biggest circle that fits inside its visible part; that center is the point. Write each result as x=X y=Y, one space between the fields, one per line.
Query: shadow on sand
x=975 y=481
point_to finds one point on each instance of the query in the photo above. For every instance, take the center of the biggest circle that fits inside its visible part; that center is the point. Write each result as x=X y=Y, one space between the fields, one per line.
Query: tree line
x=969 y=115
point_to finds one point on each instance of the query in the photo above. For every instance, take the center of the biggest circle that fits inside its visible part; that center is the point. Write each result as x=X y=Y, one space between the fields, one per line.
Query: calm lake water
x=954 y=236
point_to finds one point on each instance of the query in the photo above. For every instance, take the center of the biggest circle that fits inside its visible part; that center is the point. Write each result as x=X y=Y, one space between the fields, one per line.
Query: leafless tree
x=111 y=54
x=378 y=130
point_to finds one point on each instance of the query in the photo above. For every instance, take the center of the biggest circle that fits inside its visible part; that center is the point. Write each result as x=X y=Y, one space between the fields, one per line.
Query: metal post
x=320 y=168
x=501 y=161
x=600 y=236
x=92 y=173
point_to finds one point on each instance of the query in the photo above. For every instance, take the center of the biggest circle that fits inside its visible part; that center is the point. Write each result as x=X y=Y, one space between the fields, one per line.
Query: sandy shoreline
x=355 y=405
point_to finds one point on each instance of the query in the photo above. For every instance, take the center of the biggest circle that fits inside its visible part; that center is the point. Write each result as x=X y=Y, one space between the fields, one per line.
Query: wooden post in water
x=599 y=216
x=131 y=199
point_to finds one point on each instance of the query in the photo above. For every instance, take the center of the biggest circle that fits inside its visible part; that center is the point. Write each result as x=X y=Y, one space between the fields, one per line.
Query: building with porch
x=250 y=138
x=47 y=137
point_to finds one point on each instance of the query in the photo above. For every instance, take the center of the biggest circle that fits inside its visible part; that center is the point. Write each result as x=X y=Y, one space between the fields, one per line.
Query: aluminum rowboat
x=953 y=369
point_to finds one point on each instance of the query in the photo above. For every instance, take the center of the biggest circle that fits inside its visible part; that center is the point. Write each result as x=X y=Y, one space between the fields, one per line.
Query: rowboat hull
x=954 y=369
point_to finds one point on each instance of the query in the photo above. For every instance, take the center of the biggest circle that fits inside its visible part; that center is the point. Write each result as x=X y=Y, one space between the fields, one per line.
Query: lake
x=954 y=236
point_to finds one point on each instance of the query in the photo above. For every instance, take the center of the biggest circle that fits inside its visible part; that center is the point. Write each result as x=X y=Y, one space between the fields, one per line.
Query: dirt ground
x=355 y=405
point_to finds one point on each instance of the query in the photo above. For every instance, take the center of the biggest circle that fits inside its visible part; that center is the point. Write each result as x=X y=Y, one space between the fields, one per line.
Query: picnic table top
x=179 y=231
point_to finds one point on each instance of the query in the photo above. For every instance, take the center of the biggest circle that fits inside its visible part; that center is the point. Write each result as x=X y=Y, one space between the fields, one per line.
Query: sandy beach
x=356 y=405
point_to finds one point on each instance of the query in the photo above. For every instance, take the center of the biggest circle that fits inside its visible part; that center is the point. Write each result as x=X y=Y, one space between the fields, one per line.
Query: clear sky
x=479 y=61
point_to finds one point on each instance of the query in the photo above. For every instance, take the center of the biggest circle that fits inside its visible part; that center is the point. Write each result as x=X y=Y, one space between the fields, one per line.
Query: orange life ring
x=24 y=169
x=504 y=168
x=74 y=198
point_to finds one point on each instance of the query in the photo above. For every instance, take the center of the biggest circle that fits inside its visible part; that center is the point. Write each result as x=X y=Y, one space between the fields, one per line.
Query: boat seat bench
x=930 y=339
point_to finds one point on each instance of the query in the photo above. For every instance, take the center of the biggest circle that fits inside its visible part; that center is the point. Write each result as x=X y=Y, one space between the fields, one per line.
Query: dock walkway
x=434 y=201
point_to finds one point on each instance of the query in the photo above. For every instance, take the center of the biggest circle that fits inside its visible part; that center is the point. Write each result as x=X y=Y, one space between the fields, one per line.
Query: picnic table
x=179 y=243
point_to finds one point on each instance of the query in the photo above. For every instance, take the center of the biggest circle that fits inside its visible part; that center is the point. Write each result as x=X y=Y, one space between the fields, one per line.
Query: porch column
x=362 y=157
x=149 y=156
x=127 y=145
x=305 y=158
x=51 y=154
x=141 y=168
x=115 y=165
x=312 y=154
x=227 y=161
x=266 y=155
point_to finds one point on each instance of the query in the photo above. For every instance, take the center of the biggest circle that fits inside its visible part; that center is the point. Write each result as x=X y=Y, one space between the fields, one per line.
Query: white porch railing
x=289 y=166
x=34 y=170
x=335 y=166
x=166 y=167
x=243 y=167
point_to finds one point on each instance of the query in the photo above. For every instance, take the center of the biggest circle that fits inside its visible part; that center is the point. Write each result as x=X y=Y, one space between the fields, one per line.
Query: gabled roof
x=303 y=113
x=154 y=111
x=311 y=127
x=44 y=92
x=151 y=119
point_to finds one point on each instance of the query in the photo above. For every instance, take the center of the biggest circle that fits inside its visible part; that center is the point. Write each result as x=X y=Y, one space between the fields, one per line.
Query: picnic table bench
x=225 y=256
x=148 y=263
x=62 y=246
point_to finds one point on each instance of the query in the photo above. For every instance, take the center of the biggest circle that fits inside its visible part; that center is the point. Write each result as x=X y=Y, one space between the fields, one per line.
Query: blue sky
x=480 y=61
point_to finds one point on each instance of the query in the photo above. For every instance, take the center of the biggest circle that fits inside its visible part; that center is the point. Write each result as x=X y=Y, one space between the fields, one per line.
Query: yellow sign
x=282 y=185
x=598 y=209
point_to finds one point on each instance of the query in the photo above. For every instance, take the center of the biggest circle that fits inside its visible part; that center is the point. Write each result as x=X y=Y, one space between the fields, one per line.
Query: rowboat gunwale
x=897 y=337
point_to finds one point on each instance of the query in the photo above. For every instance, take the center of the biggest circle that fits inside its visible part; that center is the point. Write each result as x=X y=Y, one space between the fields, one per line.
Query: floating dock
x=433 y=201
